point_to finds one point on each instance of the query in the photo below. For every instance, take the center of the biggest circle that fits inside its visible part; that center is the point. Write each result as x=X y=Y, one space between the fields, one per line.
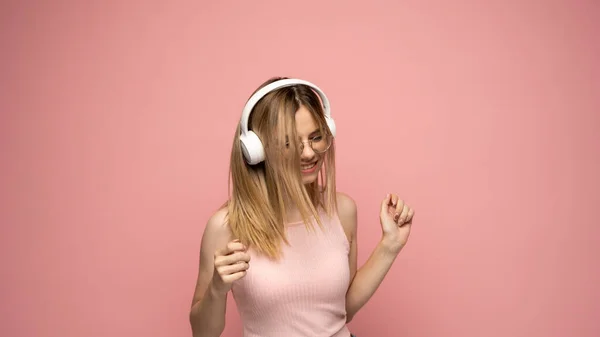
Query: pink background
x=116 y=125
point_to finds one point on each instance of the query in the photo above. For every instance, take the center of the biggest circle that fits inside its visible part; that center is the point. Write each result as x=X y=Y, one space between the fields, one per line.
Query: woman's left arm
x=396 y=220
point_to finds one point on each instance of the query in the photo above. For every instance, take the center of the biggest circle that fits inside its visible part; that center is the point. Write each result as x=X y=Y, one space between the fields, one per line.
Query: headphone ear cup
x=252 y=148
x=331 y=125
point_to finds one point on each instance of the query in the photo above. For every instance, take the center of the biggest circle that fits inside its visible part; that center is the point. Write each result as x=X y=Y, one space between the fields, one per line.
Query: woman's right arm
x=221 y=262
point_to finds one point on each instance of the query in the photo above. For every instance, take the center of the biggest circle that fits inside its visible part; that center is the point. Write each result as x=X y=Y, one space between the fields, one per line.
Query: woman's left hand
x=396 y=220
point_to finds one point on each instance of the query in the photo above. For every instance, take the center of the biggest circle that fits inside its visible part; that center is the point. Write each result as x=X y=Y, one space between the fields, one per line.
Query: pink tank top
x=304 y=293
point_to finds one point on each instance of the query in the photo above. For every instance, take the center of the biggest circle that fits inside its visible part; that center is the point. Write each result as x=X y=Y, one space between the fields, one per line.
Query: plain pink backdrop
x=115 y=132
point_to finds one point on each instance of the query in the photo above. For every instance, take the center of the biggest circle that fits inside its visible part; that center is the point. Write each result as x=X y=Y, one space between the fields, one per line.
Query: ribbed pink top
x=304 y=293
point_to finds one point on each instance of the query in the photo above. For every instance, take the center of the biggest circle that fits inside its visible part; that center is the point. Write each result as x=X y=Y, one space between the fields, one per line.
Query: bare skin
x=223 y=260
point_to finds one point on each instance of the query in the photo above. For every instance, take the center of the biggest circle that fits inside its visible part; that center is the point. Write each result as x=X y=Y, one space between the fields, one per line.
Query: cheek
x=320 y=164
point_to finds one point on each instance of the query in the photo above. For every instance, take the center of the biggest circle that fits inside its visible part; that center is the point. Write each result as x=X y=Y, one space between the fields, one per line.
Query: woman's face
x=311 y=157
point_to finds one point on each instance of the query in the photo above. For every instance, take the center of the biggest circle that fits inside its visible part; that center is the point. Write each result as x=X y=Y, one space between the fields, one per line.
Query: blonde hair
x=259 y=194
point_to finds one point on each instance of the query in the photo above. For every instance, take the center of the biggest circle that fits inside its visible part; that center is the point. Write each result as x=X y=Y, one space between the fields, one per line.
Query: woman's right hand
x=231 y=264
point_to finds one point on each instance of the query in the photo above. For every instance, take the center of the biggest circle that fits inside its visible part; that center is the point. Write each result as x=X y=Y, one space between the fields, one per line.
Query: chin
x=311 y=178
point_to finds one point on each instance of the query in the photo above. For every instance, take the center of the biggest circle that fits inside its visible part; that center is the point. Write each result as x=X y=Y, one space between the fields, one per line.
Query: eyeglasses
x=318 y=144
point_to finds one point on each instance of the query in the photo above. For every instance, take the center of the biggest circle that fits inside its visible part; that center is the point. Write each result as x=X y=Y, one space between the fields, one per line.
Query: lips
x=307 y=166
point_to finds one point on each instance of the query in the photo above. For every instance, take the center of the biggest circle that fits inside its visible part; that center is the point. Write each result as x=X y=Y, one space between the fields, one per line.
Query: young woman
x=285 y=241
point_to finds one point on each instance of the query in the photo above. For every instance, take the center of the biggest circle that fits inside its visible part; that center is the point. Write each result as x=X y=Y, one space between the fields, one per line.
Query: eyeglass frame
x=310 y=143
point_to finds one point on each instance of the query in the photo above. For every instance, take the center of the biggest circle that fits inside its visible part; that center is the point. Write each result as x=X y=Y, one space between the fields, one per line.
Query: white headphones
x=252 y=147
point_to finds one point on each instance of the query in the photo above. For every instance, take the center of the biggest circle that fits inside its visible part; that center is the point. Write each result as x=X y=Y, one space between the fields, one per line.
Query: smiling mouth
x=309 y=168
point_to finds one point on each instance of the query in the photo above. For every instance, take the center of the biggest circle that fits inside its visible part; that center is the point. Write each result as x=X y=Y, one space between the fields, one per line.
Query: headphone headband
x=251 y=144
x=262 y=92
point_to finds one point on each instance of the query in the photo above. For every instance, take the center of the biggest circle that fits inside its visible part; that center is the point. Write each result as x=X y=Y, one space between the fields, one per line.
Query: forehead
x=305 y=122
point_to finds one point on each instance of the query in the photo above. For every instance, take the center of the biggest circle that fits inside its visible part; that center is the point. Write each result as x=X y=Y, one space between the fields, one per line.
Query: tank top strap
x=334 y=224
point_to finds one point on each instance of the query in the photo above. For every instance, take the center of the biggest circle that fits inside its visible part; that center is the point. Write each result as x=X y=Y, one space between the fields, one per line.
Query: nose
x=307 y=153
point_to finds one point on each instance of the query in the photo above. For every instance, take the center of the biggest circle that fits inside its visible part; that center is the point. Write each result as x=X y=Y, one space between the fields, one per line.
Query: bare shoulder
x=345 y=204
x=347 y=212
x=217 y=229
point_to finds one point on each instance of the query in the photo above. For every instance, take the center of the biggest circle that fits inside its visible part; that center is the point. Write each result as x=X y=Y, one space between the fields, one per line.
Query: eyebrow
x=317 y=131
x=314 y=133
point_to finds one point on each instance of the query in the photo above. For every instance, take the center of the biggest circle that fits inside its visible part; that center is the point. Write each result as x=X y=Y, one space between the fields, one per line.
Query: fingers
x=236 y=257
x=233 y=277
x=394 y=200
x=385 y=204
x=230 y=269
x=231 y=272
x=233 y=252
x=410 y=216
x=402 y=212
x=231 y=263
x=399 y=207
x=232 y=246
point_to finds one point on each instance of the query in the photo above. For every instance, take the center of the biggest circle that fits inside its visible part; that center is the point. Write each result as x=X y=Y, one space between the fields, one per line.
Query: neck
x=292 y=213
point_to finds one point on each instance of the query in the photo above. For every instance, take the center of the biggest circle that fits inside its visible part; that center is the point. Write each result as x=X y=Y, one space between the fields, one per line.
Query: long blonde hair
x=259 y=194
